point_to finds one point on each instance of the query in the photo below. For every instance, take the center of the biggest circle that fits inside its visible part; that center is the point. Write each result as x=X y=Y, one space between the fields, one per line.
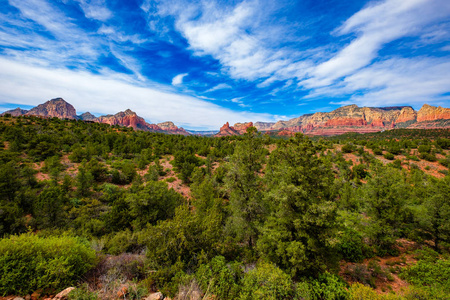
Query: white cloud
x=95 y=9
x=235 y=35
x=70 y=44
x=220 y=86
x=31 y=85
x=397 y=81
x=375 y=26
x=177 y=80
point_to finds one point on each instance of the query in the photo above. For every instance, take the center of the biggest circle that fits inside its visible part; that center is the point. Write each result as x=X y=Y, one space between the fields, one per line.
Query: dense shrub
x=219 y=278
x=267 y=282
x=29 y=262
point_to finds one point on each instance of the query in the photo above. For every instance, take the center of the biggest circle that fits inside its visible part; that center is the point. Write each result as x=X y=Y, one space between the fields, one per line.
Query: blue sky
x=203 y=63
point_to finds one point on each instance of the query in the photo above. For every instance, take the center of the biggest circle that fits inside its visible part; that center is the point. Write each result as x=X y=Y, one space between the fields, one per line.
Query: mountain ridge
x=349 y=118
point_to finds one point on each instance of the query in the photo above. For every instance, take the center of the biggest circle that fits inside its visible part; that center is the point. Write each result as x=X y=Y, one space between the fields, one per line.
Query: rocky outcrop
x=237 y=129
x=171 y=128
x=263 y=126
x=407 y=114
x=87 y=116
x=241 y=128
x=432 y=113
x=352 y=118
x=126 y=118
x=15 y=112
x=55 y=108
x=226 y=130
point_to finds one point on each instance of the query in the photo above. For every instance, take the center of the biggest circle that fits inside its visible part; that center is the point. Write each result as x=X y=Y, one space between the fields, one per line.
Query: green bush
x=82 y=293
x=220 y=278
x=29 y=262
x=389 y=156
x=330 y=287
x=352 y=247
x=267 y=282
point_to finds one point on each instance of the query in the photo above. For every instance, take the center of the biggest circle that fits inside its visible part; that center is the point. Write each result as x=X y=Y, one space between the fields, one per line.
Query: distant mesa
x=350 y=118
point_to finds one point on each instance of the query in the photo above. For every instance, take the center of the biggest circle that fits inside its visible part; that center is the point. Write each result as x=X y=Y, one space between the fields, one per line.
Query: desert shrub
x=361 y=292
x=30 y=262
x=352 y=246
x=267 y=282
x=348 y=148
x=82 y=293
x=220 y=278
x=328 y=286
x=389 y=156
x=377 y=151
x=424 y=149
x=429 y=271
x=428 y=156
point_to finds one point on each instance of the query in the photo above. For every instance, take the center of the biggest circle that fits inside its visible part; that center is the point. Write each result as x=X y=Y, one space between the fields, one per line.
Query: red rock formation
x=226 y=130
x=432 y=113
x=377 y=123
x=407 y=114
x=345 y=122
x=241 y=128
x=237 y=129
x=170 y=128
x=126 y=118
x=55 y=108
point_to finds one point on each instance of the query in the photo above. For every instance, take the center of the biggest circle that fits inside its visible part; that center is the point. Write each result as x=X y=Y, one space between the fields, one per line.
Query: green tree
x=385 y=195
x=298 y=234
x=244 y=185
x=153 y=203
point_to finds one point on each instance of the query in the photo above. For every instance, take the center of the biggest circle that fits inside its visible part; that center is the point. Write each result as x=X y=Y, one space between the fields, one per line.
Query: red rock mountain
x=169 y=127
x=237 y=129
x=126 y=118
x=59 y=108
x=55 y=108
x=352 y=118
x=349 y=118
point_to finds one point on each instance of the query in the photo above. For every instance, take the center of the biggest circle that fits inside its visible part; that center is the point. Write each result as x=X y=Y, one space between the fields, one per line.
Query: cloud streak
x=20 y=83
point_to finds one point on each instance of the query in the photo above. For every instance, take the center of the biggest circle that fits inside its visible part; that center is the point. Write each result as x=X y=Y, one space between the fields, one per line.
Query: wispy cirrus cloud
x=95 y=9
x=248 y=47
x=375 y=26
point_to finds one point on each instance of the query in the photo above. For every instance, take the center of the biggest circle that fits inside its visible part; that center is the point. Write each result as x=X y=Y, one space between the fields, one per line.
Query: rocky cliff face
x=237 y=129
x=171 y=128
x=126 y=118
x=263 y=126
x=352 y=118
x=55 y=108
x=432 y=113
x=87 y=116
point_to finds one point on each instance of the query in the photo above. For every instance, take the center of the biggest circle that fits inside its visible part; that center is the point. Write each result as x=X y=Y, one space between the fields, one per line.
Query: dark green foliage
x=30 y=262
x=298 y=234
x=244 y=185
x=152 y=203
x=352 y=247
x=220 y=278
x=49 y=208
x=385 y=195
x=389 y=156
x=348 y=148
x=266 y=282
x=430 y=271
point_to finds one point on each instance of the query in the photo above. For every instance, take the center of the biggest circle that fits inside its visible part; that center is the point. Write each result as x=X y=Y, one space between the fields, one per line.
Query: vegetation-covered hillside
x=243 y=217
